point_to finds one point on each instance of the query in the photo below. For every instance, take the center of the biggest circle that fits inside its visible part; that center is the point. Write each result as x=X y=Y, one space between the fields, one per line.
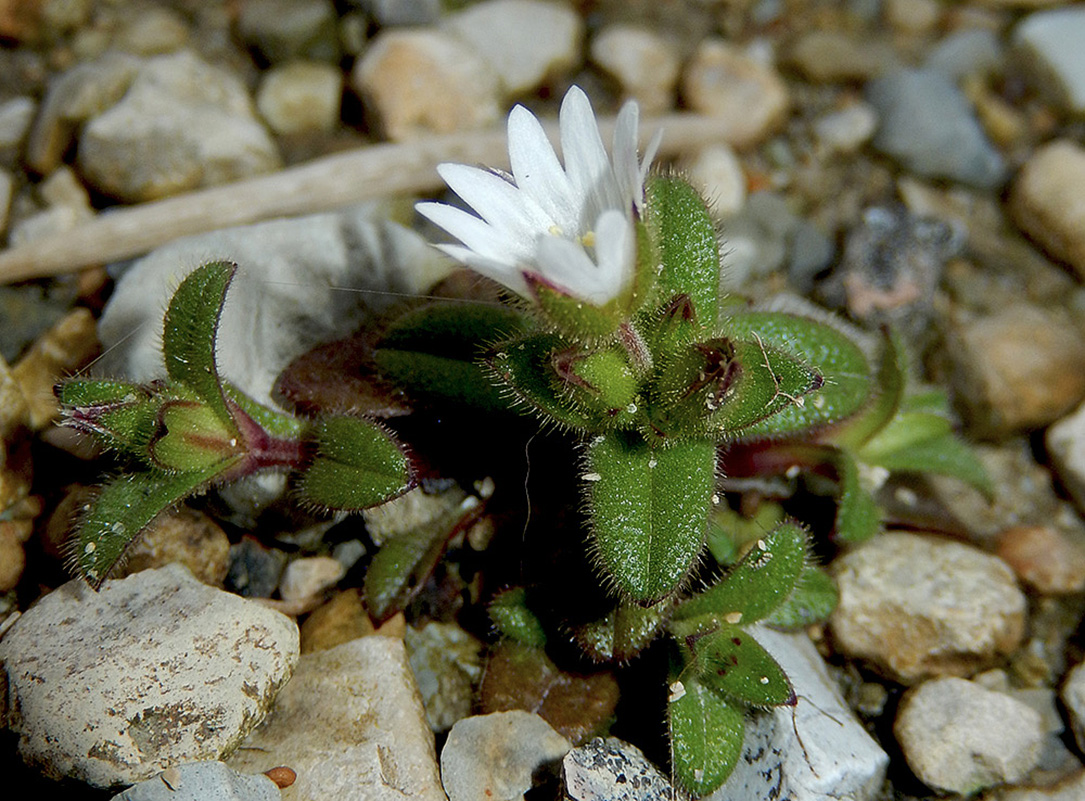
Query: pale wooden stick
x=324 y=184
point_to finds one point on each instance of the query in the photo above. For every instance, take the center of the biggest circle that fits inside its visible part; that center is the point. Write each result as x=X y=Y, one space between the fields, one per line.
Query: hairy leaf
x=857 y=515
x=706 y=736
x=813 y=600
x=649 y=508
x=733 y=663
x=623 y=633
x=121 y=415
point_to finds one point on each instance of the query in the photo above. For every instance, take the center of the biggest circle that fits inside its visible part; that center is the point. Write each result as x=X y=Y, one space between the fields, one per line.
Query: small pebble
x=301 y=96
x=342 y=619
x=959 y=737
x=1048 y=200
x=826 y=56
x=846 y=130
x=1050 y=44
x=722 y=80
x=494 y=756
x=16 y=116
x=186 y=536
x=1044 y=558
x=309 y=576
x=419 y=81
x=202 y=781
x=447 y=664
x=524 y=42
x=12 y=556
x=919 y=606
x=718 y=173
x=404 y=12
x=612 y=770
x=152 y=31
x=63 y=349
x=645 y=63
x=283 y=30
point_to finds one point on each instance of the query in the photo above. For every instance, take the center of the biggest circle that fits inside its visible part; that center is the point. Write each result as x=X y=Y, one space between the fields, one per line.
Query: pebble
x=1044 y=558
x=718 y=173
x=153 y=31
x=1021 y=368
x=59 y=352
x=309 y=576
x=722 y=80
x=928 y=126
x=918 y=606
x=1047 y=201
x=185 y=536
x=612 y=770
x=16 y=116
x=404 y=12
x=1072 y=788
x=813 y=751
x=287 y=271
x=1073 y=695
x=525 y=42
x=182 y=124
x=410 y=511
x=825 y=56
x=112 y=687
x=283 y=30
x=644 y=63
x=72 y=98
x=419 y=81
x=254 y=570
x=7 y=189
x=959 y=737
x=495 y=755
x=201 y=781
x=963 y=53
x=447 y=664
x=351 y=724
x=1049 y=42
x=12 y=555
x=68 y=204
x=301 y=96
x=913 y=17
x=342 y=619
x=1065 y=442
x=848 y=129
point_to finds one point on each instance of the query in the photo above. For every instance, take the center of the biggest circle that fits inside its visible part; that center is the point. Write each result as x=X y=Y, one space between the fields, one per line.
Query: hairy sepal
x=120 y=415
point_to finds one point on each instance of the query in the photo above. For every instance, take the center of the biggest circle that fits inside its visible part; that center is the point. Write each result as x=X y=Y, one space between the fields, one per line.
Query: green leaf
x=848 y=380
x=436 y=351
x=888 y=395
x=813 y=600
x=684 y=235
x=512 y=617
x=189 y=331
x=623 y=633
x=728 y=530
x=706 y=733
x=357 y=465
x=857 y=515
x=191 y=437
x=758 y=584
x=649 y=508
x=123 y=509
x=733 y=663
x=119 y=414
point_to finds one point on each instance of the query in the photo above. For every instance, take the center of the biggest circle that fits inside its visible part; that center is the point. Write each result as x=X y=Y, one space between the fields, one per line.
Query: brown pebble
x=1043 y=558
x=12 y=557
x=282 y=776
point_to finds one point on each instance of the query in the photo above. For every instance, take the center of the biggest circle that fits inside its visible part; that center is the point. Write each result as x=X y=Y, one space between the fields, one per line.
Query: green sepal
x=120 y=415
x=123 y=508
x=813 y=600
x=625 y=631
x=525 y=366
x=191 y=437
x=436 y=351
x=575 y=317
x=685 y=240
x=847 y=386
x=758 y=584
x=603 y=381
x=731 y=662
x=706 y=733
x=356 y=464
x=189 y=330
x=648 y=507
x=769 y=381
x=858 y=517
x=512 y=617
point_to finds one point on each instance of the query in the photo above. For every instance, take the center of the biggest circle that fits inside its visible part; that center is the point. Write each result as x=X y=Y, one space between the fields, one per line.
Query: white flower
x=572 y=227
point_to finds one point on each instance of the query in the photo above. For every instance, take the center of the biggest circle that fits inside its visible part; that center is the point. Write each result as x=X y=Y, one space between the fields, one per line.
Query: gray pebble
x=202 y=781
x=1050 y=43
x=612 y=770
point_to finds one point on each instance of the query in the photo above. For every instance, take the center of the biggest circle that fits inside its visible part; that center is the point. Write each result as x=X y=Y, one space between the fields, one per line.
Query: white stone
x=961 y=737
x=1051 y=43
x=1065 y=442
x=182 y=124
x=202 y=781
x=524 y=41
x=301 y=96
x=420 y=81
x=112 y=687
x=718 y=173
x=308 y=576
x=351 y=725
x=922 y=606
x=646 y=64
x=16 y=115
x=848 y=129
x=1048 y=200
x=814 y=751
x=494 y=756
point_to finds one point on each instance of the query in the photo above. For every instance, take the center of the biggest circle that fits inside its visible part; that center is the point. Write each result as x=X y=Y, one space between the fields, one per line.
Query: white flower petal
x=624 y=153
x=495 y=200
x=615 y=248
x=586 y=161
x=536 y=169
x=499 y=271
x=645 y=165
x=478 y=235
x=563 y=263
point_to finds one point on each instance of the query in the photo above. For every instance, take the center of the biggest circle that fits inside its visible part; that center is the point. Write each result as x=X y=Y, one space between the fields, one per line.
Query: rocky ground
x=910 y=162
